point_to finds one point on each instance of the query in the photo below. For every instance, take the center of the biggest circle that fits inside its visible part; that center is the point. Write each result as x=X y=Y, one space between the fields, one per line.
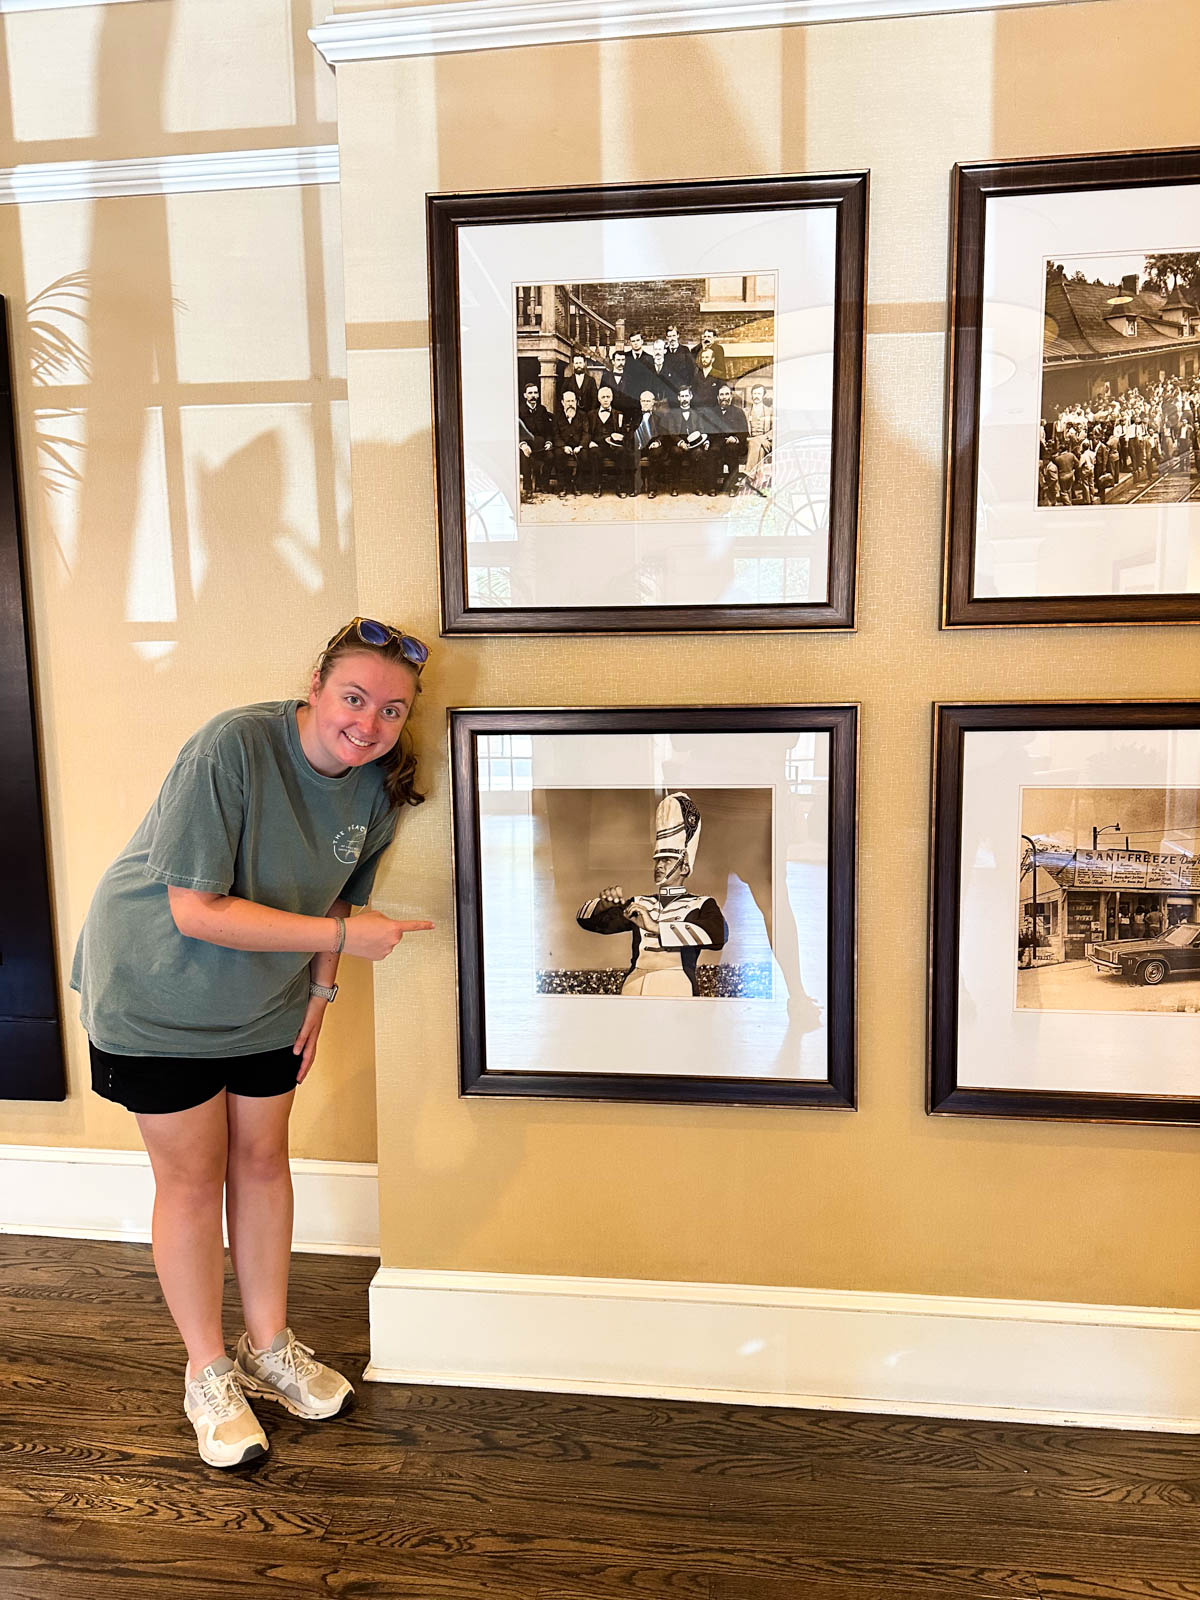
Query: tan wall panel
x=124 y=82
x=186 y=485
x=887 y=1198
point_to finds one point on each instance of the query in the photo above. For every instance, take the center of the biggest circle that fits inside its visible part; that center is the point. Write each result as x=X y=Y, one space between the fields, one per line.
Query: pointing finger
x=413 y=927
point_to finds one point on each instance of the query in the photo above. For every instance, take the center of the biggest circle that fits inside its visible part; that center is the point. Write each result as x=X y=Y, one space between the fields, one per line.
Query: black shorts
x=152 y=1084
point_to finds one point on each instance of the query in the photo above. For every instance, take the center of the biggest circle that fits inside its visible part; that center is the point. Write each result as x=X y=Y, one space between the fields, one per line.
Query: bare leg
x=258 y=1205
x=187 y=1152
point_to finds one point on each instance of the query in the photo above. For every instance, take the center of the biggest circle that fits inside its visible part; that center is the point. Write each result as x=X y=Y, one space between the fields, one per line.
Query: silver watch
x=322 y=991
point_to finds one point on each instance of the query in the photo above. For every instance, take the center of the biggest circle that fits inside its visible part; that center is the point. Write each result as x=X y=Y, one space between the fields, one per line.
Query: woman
x=205 y=968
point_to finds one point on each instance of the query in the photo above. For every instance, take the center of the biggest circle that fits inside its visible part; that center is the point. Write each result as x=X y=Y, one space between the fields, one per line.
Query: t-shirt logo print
x=347 y=846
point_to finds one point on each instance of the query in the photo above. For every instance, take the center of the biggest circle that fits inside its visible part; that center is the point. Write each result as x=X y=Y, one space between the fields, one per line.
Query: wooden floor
x=458 y=1493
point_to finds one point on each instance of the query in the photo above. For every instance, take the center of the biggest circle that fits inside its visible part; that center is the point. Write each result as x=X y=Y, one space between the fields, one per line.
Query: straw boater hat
x=677 y=829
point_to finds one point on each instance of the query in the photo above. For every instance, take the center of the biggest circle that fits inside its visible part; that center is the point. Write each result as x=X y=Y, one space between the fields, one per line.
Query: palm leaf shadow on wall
x=55 y=320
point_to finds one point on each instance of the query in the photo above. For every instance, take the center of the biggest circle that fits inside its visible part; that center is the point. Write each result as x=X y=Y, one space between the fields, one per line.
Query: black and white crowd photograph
x=1121 y=380
x=1109 y=900
x=645 y=399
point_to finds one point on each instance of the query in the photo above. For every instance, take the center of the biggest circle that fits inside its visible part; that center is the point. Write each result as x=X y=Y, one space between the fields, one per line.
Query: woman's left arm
x=322 y=969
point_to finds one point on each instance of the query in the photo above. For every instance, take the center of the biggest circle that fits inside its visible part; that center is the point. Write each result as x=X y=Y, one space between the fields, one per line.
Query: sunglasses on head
x=379 y=634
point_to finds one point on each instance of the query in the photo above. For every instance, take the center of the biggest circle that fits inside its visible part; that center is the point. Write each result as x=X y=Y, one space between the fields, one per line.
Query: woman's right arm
x=236 y=924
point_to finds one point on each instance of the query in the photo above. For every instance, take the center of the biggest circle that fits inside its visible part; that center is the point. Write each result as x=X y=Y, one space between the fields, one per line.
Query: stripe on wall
x=191 y=174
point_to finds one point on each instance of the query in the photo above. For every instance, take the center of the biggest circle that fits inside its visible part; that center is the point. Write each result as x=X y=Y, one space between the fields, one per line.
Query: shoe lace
x=223 y=1394
x=299 y=1357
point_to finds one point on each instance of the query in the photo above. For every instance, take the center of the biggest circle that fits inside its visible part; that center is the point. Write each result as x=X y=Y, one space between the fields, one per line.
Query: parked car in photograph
x=1151 y=960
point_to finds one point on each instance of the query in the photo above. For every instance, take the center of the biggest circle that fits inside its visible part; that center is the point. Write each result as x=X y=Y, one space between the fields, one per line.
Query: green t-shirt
x=242 y=812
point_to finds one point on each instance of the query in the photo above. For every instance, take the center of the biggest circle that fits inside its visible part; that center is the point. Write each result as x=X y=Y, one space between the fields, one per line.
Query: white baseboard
x=109 y=1194
x=1009 y=1360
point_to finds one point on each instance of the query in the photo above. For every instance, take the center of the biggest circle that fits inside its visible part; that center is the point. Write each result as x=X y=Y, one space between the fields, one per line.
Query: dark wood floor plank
x=145 y=1513
x=16 y=1276
x=854 y=1441
x=958 y=1511
x=857 y=1577
x=66 y=1572
x=1055 y=1586
x=26 y=1497
x=520 y=1514
x=846 y=1586
x=624 y=1488
x=454 y=1574
x=677 y=1584
x=1109 y=1482
x=275 y=1481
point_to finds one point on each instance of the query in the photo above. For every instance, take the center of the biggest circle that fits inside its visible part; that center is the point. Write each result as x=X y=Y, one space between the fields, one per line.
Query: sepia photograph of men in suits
x=634 y=391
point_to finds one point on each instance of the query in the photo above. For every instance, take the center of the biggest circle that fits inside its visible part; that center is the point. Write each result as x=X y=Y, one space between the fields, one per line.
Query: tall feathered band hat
x=677 y=828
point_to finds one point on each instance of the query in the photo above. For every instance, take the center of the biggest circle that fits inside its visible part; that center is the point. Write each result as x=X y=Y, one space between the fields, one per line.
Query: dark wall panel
x=31 y=1057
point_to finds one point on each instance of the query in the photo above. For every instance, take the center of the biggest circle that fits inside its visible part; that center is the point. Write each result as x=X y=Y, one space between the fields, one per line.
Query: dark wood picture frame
x=838 y=1089
x=972 y=188
x=31 y=1052
x=944 y=1095
x=447 y=214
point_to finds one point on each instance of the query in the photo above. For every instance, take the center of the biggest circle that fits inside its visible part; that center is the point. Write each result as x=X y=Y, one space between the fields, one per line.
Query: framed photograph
x=1065 y=895
x=657 y=904
x=647 y=405
x=1074 y=464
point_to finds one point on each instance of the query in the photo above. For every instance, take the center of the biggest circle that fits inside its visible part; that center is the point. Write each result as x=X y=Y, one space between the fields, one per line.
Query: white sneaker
x=287 y=1373
x=227 y=1431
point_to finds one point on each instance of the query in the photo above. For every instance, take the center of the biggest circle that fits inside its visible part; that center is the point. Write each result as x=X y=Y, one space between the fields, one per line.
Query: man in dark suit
x=624 y=384
x=690 y=452
x=708 y=341
x=678 y=367
x=654 y=375
x=610 y=445
x=535 y=441
x=581 y=384
x=706 y=385
x=729 y=436
x=639 y=356
x=651 y=442
x=570 y=441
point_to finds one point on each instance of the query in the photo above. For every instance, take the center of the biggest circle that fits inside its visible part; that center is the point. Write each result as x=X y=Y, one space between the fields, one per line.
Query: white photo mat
x=749 y=1038
x=999 y=1046
x=1021 y=548
x=643 y=561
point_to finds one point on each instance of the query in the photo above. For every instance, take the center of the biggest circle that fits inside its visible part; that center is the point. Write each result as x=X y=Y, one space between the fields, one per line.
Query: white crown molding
x=109 y=1194
x=11 y=7
x=842 y=1350
x=458 y=25
x=219 y=169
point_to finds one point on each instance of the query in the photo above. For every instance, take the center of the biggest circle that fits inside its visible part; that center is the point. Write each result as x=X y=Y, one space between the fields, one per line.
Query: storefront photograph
x=1121 y=903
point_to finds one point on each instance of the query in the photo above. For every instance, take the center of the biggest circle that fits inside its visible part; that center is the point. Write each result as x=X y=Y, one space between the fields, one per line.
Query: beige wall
x=185 y=467
x=886 y=1199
